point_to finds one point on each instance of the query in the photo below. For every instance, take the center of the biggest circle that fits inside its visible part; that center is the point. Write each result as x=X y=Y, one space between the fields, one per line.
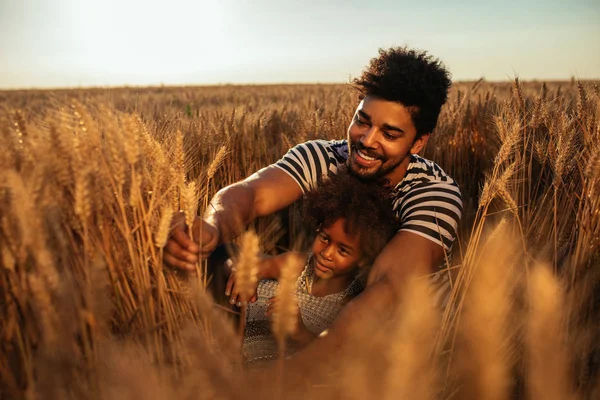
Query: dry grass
x=90 y=177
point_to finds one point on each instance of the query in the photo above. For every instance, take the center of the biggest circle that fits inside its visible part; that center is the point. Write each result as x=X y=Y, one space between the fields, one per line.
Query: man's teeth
x=366 y=157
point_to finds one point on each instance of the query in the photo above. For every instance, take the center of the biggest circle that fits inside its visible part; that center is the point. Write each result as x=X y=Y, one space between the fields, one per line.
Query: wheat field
x=90 y=179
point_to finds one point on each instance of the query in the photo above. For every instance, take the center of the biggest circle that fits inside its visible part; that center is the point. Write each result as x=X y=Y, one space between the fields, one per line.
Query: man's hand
x=181 y=251
x=232 y=208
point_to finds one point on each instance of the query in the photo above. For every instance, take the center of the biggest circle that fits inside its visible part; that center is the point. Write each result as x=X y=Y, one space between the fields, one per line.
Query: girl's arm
x=271 y=266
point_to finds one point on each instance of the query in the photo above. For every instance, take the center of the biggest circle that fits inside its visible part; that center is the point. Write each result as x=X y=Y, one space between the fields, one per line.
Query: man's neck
x=398 y=174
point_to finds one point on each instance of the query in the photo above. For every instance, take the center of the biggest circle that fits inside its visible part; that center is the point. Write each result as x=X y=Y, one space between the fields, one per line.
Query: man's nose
x=369 y=138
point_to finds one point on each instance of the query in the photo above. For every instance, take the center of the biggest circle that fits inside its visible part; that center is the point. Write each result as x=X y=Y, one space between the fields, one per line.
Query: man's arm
x=262 y=193
x=229 y=212
x=406 y=254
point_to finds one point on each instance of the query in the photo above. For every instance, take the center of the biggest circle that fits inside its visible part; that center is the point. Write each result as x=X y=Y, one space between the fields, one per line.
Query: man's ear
x=420 y=143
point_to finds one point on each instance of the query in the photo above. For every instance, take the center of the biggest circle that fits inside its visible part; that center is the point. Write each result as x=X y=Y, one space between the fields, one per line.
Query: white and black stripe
x=307 y=163
x=427 y=201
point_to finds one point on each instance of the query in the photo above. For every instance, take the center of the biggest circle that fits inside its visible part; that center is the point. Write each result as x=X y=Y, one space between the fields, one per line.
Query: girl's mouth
x=321 y=267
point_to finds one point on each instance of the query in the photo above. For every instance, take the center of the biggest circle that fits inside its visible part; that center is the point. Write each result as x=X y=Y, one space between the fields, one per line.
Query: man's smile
x=365 y=159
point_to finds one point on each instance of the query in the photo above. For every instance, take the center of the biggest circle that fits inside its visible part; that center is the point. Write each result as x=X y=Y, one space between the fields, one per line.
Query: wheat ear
x=548 y=371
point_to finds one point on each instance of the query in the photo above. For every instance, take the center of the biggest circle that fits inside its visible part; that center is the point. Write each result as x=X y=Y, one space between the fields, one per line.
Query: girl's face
x=335 y=252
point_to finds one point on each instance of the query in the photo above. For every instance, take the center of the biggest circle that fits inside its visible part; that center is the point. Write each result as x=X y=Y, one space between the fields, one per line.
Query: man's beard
x=360 y=172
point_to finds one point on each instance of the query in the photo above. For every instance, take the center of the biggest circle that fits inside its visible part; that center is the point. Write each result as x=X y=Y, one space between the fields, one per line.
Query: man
x=402 y=92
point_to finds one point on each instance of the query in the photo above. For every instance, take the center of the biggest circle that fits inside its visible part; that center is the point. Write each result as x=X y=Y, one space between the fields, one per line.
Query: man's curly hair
x=410 y=77
x=366 y=207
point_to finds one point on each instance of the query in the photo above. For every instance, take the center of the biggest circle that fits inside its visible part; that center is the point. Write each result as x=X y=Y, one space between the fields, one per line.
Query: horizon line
x=209 y=85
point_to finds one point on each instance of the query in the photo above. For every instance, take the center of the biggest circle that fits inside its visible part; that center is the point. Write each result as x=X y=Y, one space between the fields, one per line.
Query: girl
x=355 y=220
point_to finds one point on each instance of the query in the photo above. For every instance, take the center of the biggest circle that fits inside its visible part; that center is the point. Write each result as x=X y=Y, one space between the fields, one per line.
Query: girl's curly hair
x=366 y=207
x=410 y=77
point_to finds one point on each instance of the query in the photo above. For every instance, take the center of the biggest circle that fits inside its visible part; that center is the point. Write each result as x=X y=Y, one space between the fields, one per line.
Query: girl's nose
x=327 y=252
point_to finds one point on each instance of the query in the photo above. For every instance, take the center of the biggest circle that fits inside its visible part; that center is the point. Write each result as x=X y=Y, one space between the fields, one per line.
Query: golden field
x=89 y=179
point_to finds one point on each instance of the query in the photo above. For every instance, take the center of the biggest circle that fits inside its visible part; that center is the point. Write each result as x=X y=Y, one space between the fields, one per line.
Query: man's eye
x=360 y=121
x=388 y=136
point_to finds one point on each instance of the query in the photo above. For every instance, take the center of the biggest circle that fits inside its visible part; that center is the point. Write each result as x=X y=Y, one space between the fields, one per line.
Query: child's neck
x=324 y=287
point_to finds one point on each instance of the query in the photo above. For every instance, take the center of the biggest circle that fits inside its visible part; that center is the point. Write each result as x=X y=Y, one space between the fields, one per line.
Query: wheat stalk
x=501 y=186
x=179 y=161
x=548 y=361
x=190 y=205
x=217 y=162
x=510 y=137
x=484 y=357
x=44 y=308
x=412 y=373
x=162 y=234
x=247 y=265
x=83 y=207
x=285 y=311
x=130 y=140
x=518 y=95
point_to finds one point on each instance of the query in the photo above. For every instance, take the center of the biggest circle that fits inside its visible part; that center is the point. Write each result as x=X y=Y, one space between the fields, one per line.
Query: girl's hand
x=266 y=266
x=231 y=288
x=271 y=306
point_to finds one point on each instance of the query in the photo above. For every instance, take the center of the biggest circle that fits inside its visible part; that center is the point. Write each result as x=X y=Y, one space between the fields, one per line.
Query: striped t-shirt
x=427 y=201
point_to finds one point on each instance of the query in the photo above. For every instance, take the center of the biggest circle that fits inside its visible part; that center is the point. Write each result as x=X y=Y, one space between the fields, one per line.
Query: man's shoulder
x=309 y=162
x=424 y=173
x=338 y=147
x=425 y=181
x=335 y=149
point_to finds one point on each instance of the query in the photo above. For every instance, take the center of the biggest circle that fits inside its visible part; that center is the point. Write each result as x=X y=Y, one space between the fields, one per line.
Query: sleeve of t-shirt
x=432 y=210
x=306 y=163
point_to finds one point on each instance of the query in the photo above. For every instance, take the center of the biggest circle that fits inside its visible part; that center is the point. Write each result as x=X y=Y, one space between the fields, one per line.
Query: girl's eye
x=323 y=238
x=343 y=252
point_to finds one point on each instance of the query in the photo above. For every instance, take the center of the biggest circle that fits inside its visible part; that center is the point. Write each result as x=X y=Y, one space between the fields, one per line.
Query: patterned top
x=317 y=314
x=427 y=201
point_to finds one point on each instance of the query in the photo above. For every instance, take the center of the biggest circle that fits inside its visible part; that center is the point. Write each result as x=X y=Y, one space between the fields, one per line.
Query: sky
x=82 y=43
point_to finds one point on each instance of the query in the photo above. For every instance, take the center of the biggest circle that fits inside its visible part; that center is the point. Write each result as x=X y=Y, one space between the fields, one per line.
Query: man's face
x=381 y=138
